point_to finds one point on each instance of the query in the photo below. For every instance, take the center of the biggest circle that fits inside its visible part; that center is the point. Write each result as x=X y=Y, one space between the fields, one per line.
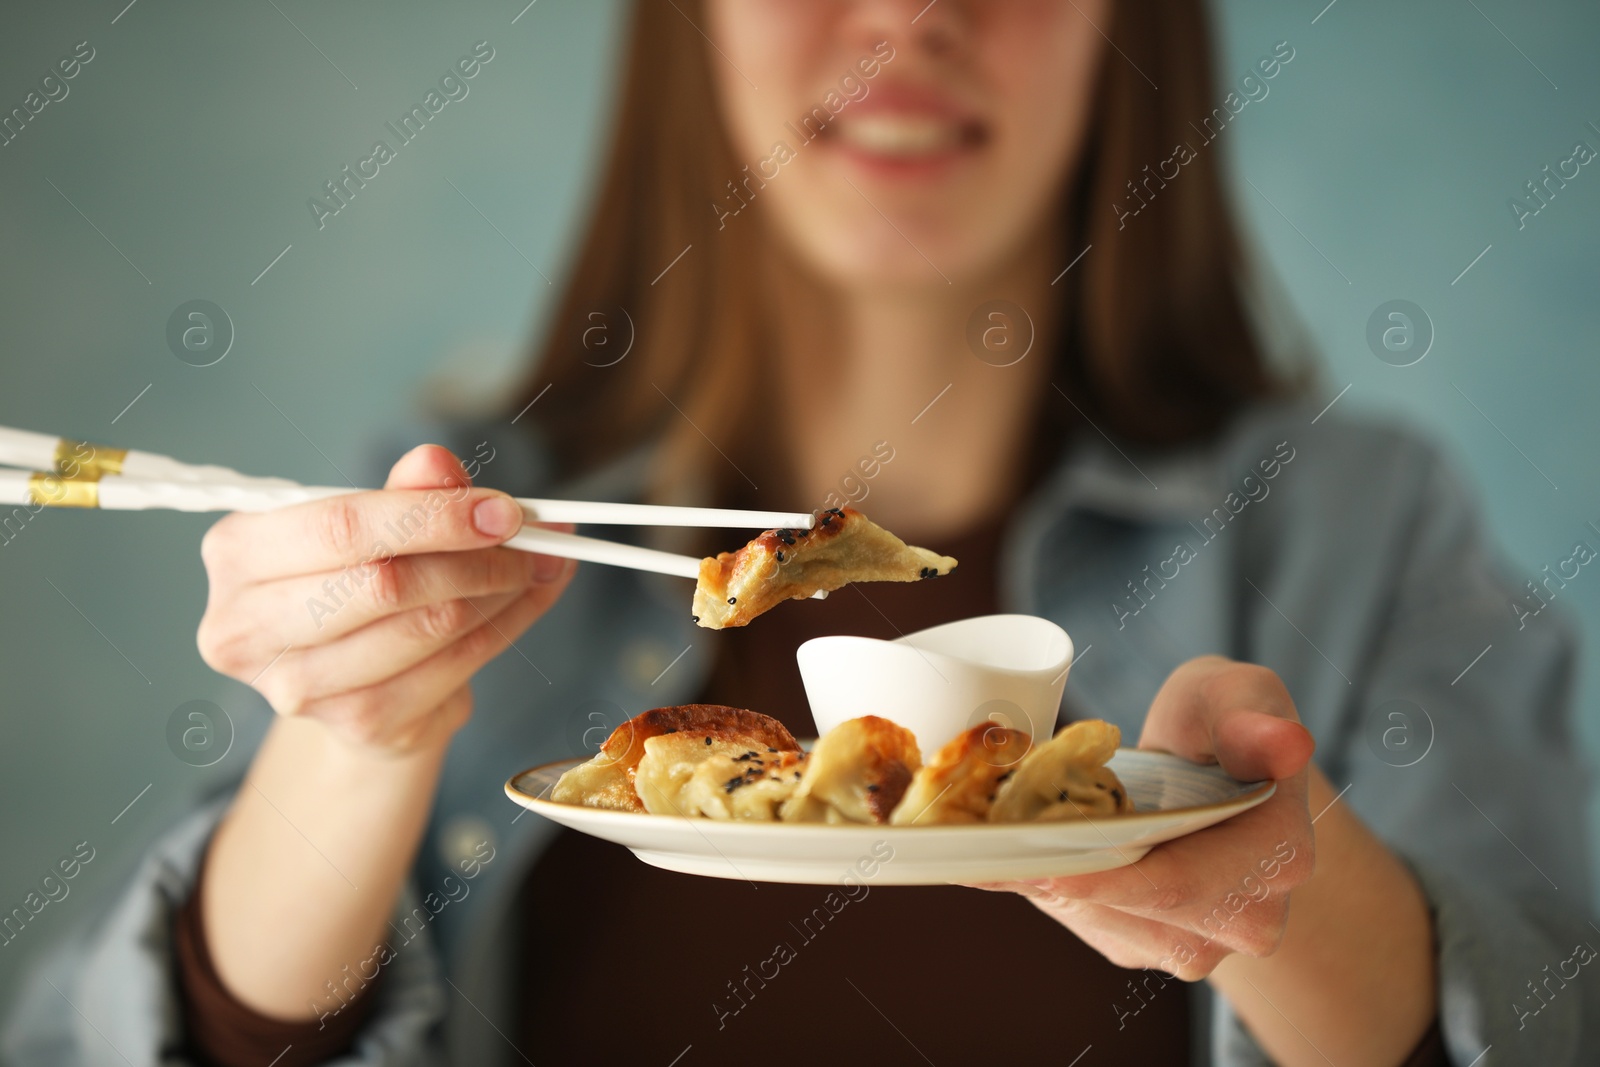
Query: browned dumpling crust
x=844 y=546
x=719 y=762
x=857 y=773
x=1065 y=778
x=608 y=780
x=959 y=783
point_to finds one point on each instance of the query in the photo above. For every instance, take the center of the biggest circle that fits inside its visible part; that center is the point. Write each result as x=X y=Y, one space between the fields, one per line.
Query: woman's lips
x=899 y=136
x=892 y=139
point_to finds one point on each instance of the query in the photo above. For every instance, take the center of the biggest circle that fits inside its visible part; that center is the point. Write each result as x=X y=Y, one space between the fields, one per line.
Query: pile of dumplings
x=717 y=762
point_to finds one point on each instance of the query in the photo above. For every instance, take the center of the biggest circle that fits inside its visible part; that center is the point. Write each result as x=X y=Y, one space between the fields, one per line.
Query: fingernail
x=497 y=516
x=548 y=568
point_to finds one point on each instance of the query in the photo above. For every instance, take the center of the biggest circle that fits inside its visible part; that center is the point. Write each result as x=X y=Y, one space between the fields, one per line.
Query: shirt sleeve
x=110 y=991
x=1459 y=751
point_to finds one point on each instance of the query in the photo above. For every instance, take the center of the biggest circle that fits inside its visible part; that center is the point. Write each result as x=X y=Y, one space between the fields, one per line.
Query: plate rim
x=1258 y=792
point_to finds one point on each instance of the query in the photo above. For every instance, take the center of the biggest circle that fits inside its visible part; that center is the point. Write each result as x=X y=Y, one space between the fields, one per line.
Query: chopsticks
x=80 y=475
x=71 y=458
x=40 y=489
x=45 y=489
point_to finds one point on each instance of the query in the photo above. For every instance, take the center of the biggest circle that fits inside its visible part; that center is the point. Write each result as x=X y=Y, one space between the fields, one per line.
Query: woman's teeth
x=900 y=136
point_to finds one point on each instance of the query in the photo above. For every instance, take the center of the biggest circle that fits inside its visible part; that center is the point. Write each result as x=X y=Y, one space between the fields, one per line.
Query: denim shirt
x=1342 y=554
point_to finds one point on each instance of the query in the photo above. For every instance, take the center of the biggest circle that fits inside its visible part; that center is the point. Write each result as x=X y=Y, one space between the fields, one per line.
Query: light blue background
x=1389 y=147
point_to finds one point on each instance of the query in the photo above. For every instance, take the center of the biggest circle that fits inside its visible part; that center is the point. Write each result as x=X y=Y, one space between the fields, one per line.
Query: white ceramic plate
x=1172 y=798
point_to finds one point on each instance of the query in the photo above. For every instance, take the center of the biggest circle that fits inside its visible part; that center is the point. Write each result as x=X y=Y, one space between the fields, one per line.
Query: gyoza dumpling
x=670 y=763
x=844 y=546
x=959 y=783
x=609 y=779
x=1065 y=778
x=750 y=786
x=857 y=773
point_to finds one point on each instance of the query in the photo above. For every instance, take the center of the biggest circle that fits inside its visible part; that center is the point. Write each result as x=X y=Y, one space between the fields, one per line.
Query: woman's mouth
x=905 y=142
x=900 y=136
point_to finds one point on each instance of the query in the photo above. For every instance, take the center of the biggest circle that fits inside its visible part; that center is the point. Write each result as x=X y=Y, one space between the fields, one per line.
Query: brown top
x=887 y=972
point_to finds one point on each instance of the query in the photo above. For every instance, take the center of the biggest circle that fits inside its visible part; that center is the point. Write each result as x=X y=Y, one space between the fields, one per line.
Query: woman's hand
x=370 y=612
x=366 y=614
x=1191 y=902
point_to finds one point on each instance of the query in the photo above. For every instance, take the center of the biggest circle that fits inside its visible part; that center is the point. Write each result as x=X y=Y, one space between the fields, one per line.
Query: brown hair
x=1157 y=346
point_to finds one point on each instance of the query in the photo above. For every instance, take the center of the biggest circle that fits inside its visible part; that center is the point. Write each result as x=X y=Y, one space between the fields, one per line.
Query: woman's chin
x=900 y=235
x=938 y=265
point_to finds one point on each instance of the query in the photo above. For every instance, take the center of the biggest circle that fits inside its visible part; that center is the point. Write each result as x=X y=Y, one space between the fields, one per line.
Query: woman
x=885 y=251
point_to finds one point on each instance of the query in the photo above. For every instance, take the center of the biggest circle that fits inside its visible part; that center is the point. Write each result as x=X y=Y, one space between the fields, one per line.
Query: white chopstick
x=600 y=513
x=594 y=550
x=77 y=459
x=37 y=489
x=40 y=452
x=141 y=494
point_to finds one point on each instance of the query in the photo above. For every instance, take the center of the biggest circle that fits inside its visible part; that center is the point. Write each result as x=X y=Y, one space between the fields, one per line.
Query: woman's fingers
x=371 y=611
x=1187 y=942
x=1135 y=942
x=441 y=514
x=1191 y=901
x=427 y=467
x=422 y=596
x=1193 y=892
x=390 y=711
x=1268 y=846
x=1259 y=846
x=346 y=532
x=1214 y=710
x=1254 y=746
x=378 y=651
x=312 y=610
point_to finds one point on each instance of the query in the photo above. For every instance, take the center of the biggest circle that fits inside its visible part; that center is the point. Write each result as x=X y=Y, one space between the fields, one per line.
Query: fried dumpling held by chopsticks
x=1066 y=777
x=675 y=739
x=857 y=773
x=844 y=546
x=960 y=782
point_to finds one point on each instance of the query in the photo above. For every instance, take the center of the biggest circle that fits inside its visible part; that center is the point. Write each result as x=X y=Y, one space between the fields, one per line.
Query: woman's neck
x=868 y=375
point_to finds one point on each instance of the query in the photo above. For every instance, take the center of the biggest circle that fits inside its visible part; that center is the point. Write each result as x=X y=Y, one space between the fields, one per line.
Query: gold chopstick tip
x=50 y=490
x=82 y=461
